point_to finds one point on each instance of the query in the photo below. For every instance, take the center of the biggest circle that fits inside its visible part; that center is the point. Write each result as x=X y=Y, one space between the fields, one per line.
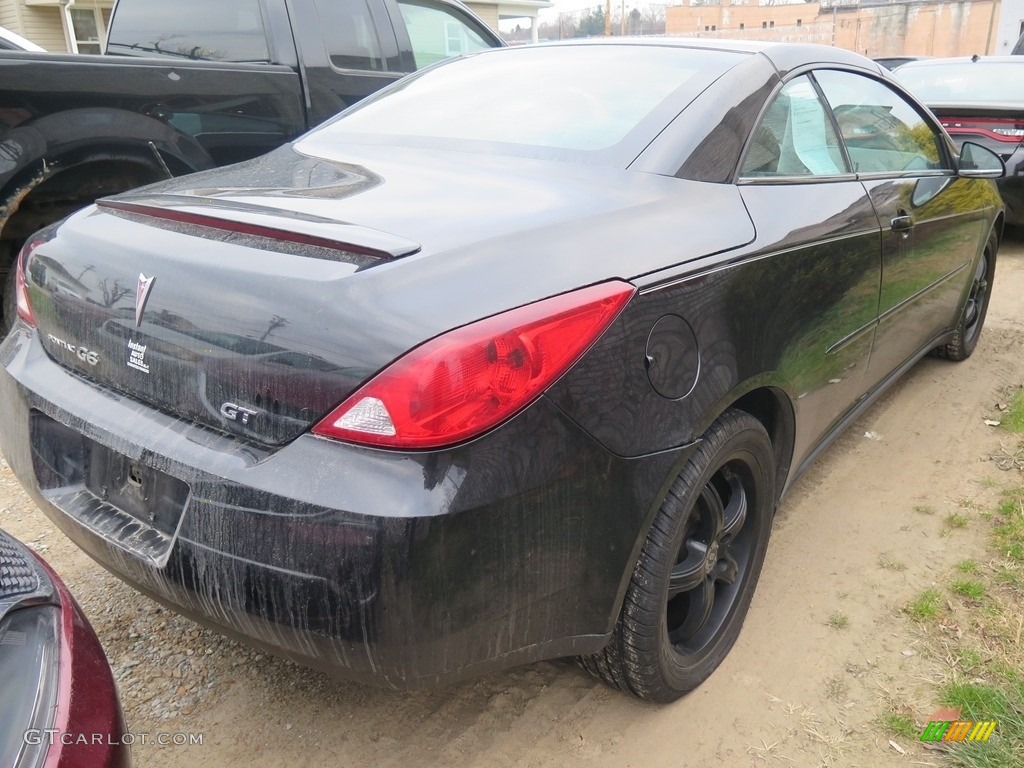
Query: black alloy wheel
x=698 y=567
x=972 y=317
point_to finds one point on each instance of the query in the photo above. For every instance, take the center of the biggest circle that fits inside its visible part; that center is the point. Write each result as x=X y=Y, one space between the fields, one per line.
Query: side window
x=795 y=137
x=190 y=29
x=882 y=131
x=349 y=34
x=438 y=33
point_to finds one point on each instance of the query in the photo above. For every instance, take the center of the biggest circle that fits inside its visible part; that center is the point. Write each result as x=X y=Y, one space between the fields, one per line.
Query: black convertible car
x=512 y=361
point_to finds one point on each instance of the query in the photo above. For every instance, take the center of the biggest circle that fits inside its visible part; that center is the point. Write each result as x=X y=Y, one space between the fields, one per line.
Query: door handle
x=902 y=223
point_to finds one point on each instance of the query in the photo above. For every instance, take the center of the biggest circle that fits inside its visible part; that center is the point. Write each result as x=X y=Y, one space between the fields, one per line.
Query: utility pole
x=991 y=24
x=607 y=18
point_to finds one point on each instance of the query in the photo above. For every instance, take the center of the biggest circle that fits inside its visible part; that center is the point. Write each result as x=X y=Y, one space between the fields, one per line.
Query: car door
x=813 y=282
x=930 y=224
x=348 y=51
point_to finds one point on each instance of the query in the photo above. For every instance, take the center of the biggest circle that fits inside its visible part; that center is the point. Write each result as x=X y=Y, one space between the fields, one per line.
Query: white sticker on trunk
x=137 y=356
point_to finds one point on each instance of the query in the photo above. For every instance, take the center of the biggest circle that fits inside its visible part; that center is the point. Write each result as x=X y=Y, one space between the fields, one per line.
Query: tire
x=972 y=316
x=704 y=550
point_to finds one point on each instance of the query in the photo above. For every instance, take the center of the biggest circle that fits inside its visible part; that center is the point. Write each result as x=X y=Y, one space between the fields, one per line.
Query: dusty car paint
x=795 y=302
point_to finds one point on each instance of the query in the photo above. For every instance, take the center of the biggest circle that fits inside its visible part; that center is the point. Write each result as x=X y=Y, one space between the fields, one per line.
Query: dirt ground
x=862 y=533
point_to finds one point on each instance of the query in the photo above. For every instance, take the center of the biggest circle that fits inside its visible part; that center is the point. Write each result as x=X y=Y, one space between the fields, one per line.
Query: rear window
x=965 y=82
x=190 y=29
x=576 y=99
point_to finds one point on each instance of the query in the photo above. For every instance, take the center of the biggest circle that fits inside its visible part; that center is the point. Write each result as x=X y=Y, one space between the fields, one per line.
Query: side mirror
x=978 y=162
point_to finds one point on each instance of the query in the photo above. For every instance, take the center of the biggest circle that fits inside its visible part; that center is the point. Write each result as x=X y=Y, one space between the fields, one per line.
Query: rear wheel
x=972 y=317
x=698 y=567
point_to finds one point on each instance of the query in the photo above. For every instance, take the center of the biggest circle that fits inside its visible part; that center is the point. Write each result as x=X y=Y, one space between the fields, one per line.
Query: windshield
x=565 y=100
x=965 y=81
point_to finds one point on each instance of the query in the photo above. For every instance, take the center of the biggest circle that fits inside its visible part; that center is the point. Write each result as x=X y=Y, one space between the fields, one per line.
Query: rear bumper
x=401 y=569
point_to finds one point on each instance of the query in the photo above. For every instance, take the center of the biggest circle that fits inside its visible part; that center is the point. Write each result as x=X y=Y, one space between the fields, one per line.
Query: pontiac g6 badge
x=142 y=296
x=85 y=355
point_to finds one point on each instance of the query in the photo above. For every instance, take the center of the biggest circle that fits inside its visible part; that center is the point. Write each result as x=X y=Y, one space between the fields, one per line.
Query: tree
x=591 y=23
x=634 y=23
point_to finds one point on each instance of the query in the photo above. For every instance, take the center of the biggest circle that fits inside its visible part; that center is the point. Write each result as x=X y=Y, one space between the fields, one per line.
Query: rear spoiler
x=265 y=221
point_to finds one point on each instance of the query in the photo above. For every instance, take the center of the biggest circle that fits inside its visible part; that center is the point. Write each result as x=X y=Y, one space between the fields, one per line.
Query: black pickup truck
x=194 y=84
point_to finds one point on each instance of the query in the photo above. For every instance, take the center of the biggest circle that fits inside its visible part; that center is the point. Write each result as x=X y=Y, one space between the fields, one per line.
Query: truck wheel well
x=65 y=191
x=772 y=408
x=44 y=198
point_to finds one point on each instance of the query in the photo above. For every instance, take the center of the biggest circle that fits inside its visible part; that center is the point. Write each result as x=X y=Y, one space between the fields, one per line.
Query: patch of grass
x=925 y=606
x=986 y=701
x=838 y=620
x=899 y=724
x=1010 y=575
x=969 y=588
x=986 y=654
x=979 y=700
x=924 y=509
x=890 y=564
x=836 y=689
x=1012 y=418
x=955 y=520
x=969 y=658
x=1009 y=530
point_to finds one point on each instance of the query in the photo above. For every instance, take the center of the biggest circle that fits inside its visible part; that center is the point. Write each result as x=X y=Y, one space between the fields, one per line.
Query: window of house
x=742 y=25
x=86 y=29
x=764 y=25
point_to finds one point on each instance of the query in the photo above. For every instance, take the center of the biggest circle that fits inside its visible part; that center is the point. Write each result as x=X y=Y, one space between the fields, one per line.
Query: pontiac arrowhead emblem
x=142 y=296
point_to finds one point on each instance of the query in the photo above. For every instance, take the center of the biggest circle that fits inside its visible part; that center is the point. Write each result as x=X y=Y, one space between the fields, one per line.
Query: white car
x=12 y=42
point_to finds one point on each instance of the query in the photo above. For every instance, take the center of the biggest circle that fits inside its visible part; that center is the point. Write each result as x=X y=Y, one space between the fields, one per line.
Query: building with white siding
x=76 y=26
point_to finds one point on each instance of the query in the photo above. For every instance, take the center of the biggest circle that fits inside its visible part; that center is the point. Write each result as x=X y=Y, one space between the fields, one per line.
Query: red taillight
x=466 y=381
x=1008 y=130
x=20 y=284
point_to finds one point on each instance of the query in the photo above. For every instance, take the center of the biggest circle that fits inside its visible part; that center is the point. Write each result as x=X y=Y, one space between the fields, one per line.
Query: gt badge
x=141 y=297
x=237 y=413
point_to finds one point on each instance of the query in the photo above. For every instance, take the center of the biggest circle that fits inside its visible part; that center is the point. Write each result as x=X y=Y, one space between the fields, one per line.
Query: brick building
x=924 y=27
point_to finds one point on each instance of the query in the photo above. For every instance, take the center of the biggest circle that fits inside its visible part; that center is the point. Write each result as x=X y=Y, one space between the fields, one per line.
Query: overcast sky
x=564 y=6
x=569 y=6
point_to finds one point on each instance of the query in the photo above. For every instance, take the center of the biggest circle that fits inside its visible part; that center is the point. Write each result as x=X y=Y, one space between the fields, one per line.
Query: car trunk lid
x=234 y=330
